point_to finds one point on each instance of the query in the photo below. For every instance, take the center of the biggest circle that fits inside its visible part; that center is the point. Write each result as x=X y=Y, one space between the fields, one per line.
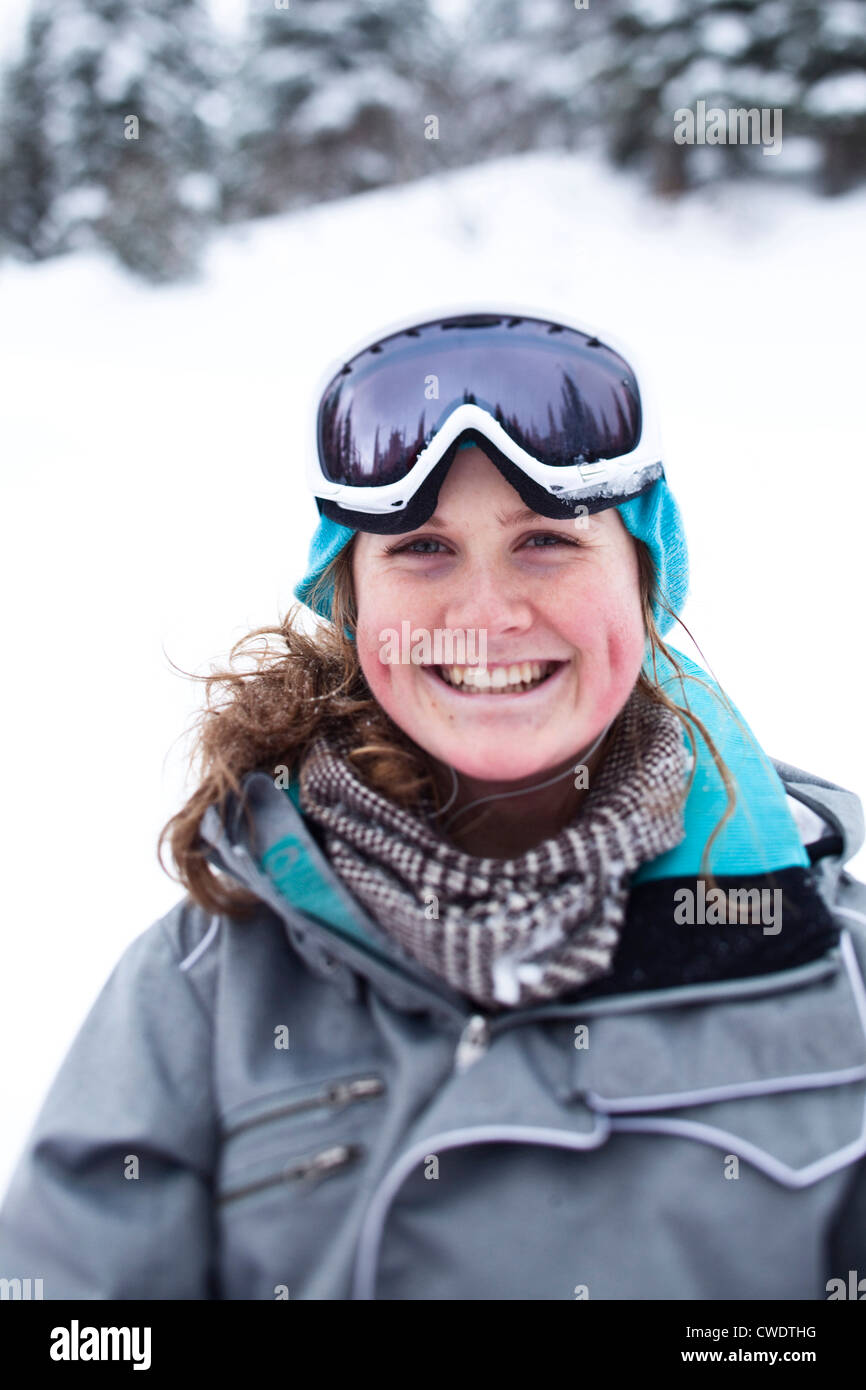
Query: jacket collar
x=281 y=862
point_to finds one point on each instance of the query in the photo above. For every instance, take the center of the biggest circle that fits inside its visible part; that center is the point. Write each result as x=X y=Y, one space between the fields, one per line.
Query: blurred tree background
x=138 y=126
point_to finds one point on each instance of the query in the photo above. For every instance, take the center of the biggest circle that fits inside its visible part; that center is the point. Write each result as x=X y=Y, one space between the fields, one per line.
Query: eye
x=545 y=537
x=410 y=547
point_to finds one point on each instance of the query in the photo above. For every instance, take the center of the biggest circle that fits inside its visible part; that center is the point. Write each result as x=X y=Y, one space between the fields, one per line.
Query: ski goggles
x=560 y=410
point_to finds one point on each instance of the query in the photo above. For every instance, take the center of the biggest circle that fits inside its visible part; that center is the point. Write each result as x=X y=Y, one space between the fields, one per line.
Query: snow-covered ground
x=153 y=446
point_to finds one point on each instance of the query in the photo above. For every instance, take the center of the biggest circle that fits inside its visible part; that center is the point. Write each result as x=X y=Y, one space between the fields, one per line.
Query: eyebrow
x=515 y=518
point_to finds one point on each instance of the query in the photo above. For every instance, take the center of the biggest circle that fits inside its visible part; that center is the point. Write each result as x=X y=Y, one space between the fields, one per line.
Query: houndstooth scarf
x=508 y=932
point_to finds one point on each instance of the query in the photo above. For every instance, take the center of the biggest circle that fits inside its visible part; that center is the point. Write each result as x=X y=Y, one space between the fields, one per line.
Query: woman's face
x=560 y=593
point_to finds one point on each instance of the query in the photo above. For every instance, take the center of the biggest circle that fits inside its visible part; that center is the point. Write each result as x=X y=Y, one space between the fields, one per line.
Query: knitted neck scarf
x=508 y=932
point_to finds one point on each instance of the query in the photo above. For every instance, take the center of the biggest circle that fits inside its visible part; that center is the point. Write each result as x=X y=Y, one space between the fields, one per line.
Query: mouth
x=514 y=678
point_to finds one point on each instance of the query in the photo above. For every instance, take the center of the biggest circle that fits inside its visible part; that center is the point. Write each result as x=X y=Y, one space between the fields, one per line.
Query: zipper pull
x=361 y=1089
x=312 y=1169
x=474 y=1041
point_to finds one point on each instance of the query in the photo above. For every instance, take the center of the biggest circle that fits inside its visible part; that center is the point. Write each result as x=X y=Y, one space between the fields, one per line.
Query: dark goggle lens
x=561 y=395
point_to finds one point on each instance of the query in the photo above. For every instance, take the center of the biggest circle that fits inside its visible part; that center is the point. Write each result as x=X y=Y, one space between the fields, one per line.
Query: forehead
x=521 y=516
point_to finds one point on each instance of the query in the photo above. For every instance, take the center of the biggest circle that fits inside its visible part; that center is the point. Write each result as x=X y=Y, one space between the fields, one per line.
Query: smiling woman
x=542 y=594
x=440 y=911
x=577 y=597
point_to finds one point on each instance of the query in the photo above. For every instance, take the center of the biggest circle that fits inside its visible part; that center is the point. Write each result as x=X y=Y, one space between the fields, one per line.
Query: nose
x=486 y=598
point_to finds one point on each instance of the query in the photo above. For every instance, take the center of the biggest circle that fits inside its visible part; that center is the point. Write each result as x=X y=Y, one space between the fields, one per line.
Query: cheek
x=626 y=636
x=603 y=614
x=376 y=672
x=379 y=614
x=605 y=626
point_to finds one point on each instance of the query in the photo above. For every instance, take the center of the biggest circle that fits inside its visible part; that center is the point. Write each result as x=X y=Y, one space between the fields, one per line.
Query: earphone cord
x=498 y=796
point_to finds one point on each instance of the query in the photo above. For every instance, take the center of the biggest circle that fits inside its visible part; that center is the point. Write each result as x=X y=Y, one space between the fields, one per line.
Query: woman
x=509 y=967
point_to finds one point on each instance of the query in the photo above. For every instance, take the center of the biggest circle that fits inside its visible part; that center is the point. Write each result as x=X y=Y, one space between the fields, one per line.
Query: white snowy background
x=153 y=444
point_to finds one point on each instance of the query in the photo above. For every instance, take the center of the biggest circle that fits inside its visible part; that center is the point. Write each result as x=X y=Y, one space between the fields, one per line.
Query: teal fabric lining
x=291 y=865
x=762 y=834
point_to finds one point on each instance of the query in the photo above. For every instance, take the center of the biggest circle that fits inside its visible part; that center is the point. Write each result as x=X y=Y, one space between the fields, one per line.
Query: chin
x=493 y=763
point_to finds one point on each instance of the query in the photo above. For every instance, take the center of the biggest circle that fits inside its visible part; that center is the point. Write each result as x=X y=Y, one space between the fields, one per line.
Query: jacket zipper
x=310 y=1169
x=338 y=1094
x=473 y=1042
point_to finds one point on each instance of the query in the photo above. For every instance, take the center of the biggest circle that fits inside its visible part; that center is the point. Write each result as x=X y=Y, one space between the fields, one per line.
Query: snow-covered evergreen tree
x=655 y=57
x=126 y=124
x=330 y=99
x=524 y=73
x=831 y=65
x=107 y=134
x=27 y=176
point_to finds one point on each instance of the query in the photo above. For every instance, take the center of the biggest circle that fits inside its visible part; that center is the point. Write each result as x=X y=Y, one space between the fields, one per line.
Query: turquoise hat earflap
x=329 y=538
x=654 y=518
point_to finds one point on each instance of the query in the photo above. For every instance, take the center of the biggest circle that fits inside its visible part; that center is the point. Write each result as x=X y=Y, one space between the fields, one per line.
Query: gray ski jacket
x=286 y=1107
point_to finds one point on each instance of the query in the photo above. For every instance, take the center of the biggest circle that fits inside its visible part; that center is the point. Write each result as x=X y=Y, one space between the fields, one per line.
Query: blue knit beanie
x=653 y=517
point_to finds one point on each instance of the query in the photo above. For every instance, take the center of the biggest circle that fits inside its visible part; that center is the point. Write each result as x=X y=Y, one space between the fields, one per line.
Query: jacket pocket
x=777 y=1078
x=311 y=1168
x=307 y=1135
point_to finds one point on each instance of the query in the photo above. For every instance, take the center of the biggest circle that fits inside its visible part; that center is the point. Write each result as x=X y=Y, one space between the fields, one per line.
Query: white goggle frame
x=615 y=477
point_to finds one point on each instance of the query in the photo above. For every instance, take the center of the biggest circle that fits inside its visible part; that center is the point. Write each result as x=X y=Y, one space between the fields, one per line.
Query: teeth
x=512 y=679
